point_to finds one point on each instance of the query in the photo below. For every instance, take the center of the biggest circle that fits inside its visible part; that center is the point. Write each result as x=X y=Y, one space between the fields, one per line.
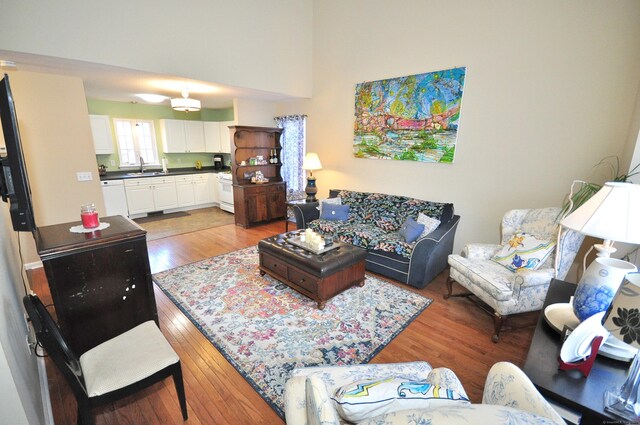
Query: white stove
x=226 y=191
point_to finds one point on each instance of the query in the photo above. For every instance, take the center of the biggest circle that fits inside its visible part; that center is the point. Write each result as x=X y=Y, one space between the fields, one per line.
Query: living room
x=561 y=81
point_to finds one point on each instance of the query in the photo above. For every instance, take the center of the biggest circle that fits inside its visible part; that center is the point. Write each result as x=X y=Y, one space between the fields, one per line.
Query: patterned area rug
x=265 y=329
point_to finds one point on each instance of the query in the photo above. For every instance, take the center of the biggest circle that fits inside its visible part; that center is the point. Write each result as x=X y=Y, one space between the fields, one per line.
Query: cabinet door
x=225 y=136
x=139 y=197
x=101 y=131
x=211 y=136
x=174 y=139
x=256 y=206
x=184 y=191
x=214 y=185
x=195 y=136
x=276 y=203
x=165 y=196
x=201 y=189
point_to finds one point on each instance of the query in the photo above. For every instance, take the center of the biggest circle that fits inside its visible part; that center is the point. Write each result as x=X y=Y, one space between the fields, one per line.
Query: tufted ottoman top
x=318 y=265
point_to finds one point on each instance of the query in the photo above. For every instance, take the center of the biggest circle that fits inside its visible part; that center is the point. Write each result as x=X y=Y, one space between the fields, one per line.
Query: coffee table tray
x=295 y=240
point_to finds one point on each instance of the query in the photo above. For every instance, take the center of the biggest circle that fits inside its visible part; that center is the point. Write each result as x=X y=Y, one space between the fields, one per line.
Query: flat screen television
x=14 y=182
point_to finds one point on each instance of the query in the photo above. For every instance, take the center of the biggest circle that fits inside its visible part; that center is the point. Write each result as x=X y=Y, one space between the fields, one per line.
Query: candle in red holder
x=89 y=216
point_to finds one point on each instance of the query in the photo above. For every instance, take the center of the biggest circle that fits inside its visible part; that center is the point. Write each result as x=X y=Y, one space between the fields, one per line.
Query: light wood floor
x=453 y=333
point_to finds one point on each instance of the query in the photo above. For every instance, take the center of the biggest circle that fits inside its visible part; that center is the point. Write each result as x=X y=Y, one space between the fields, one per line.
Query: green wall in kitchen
x=157 y=112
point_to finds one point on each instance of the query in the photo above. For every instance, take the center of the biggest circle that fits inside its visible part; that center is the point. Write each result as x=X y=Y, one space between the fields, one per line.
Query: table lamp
x=611 y=214
x=623 y=322
x=311 y=162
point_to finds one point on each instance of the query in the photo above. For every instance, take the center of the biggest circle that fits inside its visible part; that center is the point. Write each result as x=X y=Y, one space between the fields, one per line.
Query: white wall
x=257 y=44
x=254 y=113
x=20 y=397
x=549 y=91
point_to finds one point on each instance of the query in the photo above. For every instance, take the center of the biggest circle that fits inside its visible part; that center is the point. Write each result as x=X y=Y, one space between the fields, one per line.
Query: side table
x=291 y=204
x=570 y=388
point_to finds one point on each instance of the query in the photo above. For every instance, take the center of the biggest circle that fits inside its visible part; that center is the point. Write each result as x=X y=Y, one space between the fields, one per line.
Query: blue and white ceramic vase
x=598 y=285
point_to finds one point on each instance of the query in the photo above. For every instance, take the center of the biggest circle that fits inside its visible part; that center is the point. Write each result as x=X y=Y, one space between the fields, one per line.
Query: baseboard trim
x=44 y=392
x=33 y=265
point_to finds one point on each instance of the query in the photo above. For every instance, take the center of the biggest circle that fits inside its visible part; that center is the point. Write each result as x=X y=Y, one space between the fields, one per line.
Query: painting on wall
x=413 y=118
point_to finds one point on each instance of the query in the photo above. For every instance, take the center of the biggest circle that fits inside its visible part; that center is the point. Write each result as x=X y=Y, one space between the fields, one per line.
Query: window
x=293 y=149
x=136 y=139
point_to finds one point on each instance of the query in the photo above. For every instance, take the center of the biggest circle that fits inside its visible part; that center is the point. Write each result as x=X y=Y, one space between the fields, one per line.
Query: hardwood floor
x=451 y=333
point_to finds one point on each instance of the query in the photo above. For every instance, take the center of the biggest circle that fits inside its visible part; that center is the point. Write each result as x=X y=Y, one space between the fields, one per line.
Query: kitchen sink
x=146 y=173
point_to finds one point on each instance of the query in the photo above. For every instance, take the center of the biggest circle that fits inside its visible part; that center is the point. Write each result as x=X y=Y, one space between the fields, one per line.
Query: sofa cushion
x=490 y=276
x=524 y=251
x=365 y=399
x=333 y=201
x=411 y=230
x=368 y=236
x=335 y=212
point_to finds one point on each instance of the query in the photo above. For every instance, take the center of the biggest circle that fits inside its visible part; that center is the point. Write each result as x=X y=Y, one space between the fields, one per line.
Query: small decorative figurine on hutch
x=259 y=192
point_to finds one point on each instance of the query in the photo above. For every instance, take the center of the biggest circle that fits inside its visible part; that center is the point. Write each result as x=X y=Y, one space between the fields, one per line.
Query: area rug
x=265 y=329
x=164 y=225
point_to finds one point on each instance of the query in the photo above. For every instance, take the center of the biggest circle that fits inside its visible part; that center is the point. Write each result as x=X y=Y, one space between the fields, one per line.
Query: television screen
x=14 y=182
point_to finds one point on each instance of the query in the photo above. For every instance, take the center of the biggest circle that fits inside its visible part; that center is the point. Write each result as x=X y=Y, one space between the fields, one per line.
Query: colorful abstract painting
x=413 y=118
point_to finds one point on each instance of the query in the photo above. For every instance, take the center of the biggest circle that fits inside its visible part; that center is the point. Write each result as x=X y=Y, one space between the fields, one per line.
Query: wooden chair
x=115 y=369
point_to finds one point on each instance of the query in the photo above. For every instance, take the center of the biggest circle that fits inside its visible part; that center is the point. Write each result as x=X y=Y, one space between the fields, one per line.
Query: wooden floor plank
x=450 y=333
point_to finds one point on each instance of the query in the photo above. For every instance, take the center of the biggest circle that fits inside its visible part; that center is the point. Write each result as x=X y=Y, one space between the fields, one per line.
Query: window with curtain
x=293 y=149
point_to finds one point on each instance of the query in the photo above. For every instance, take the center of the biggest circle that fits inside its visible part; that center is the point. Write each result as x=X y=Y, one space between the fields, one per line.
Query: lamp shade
x=612 y=213
x=185 y=104
x=311 y=162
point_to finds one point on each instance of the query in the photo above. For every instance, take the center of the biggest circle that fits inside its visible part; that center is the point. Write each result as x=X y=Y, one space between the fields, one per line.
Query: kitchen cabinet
x=102 y=136
x=214 y=188
x=212 y=136
x=193 y=189
x=225 y=136
x=181 y=136
x=100 y=282
x=201 y=189
x=151 y=194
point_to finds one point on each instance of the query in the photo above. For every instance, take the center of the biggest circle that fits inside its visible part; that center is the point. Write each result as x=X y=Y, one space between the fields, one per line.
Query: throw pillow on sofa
x=335 y=212
x=524 y=251
x=366 y=399
x=430 y=223
x=333 y=201
x=411 y=230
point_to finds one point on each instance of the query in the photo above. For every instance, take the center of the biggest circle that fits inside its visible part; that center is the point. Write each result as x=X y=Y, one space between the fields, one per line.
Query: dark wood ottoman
x=319 y=277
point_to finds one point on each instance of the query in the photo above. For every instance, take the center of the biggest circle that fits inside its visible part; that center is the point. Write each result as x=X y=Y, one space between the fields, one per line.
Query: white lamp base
x=604 y=250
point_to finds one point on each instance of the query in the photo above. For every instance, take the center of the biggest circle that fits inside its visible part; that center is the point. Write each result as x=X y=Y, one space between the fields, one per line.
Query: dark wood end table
x=570 y=388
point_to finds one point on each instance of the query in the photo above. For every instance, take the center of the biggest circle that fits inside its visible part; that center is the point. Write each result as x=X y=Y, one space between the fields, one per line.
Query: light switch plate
x=84 y=176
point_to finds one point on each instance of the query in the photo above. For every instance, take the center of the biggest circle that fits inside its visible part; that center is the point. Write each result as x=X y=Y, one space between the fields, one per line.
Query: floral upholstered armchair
x=514 y=277
x=315 y=395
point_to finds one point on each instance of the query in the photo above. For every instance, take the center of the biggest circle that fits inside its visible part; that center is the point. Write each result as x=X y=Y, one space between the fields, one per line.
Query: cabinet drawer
x=184 y=178
x=275 y=265
x=255 y=190
x=301 y=279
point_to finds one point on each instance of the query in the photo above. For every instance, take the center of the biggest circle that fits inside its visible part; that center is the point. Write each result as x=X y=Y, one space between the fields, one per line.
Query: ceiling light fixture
x=152 y=98
x=184 y=103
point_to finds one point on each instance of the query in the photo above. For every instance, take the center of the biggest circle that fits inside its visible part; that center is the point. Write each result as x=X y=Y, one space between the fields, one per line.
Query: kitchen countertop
x=132 y=174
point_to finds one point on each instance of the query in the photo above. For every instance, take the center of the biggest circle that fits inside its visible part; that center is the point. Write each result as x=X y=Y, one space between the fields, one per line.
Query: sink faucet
x=141 y=165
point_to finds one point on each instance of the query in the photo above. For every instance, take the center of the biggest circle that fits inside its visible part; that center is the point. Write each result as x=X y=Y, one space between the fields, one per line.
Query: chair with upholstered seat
x=117 y=368
x=496 y=284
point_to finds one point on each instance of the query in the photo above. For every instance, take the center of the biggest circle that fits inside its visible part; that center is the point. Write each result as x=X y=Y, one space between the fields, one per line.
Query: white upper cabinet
x=101 y=131
x=180 y=136
x=212 y=136
x=225 y=136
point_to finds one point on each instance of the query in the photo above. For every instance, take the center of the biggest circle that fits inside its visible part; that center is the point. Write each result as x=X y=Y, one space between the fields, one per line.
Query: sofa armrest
x=295 y=400
x=429 y=256
x=480 y=251
x=507 y=385
x=304 y=213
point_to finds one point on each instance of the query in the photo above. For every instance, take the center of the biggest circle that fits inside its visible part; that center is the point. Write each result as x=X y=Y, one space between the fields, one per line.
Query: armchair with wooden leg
x=117 y=368
x=508 y=281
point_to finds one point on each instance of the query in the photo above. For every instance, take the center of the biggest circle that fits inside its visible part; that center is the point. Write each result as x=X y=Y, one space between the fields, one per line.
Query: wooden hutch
x=256 y=202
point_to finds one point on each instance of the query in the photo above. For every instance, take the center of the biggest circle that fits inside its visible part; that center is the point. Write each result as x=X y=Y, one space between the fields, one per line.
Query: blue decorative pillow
x=335 y=212
x=411 y=230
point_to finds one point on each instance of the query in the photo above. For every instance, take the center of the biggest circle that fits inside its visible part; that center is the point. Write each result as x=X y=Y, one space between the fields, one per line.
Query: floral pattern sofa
x=374 y=223
x=509 y=397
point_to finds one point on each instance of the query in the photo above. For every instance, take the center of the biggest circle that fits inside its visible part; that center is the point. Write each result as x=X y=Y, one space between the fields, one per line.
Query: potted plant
x=587 y=190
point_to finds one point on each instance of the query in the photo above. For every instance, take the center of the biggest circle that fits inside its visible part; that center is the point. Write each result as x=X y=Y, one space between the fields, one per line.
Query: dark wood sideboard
x=100 y=282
